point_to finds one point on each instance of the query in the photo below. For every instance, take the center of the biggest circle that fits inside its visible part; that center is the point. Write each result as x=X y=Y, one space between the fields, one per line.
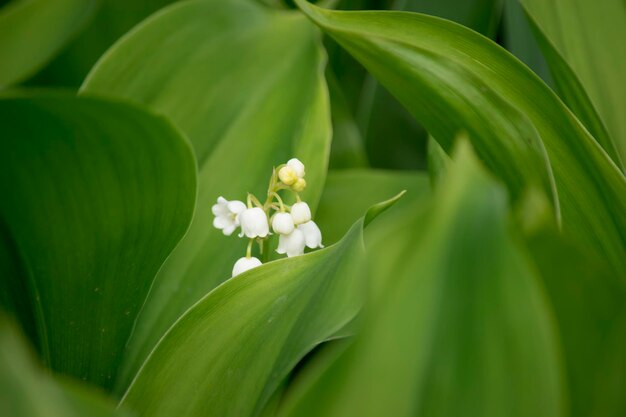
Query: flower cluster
x=293 y=223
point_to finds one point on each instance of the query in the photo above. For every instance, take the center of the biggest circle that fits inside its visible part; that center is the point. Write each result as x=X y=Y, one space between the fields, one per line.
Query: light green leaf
x=33 y=31
x=588 y=302
x=228 y=354
x=28 y=391
x=246 y=84
x=348 y=193
x=95 y=195
x=589 y=36
x=453 y=79
x=463 y=327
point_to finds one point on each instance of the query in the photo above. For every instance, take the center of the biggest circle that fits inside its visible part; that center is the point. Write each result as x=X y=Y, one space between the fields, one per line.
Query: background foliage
x=494 y=286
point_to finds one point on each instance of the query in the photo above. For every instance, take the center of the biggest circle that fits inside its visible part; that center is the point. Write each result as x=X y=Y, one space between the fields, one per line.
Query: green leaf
x=573 y=93
x=453 y=79
x=28 y=391
x=463 y=327
x=244 y=112
x=95 y=195
x=32 y=32
x=589 y=37
x=228 y=354
x=588 y=302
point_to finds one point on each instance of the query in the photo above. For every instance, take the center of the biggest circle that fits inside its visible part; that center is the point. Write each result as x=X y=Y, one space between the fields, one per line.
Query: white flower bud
x=291 y=244
x=253 y=223
x=300 y=212
x=297 y=166
x=312 y=234
x=287 y=175
x=282 y=223
x=226 y=213
x=245 y=264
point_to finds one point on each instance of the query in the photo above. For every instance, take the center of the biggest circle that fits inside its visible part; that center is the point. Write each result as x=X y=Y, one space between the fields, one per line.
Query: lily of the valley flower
x=292 y=244
x=293 y=224
x=253 y=223
x=226 y=213
x=244 y=264
x=312 y=234
x=301 y=213
x=282 y=223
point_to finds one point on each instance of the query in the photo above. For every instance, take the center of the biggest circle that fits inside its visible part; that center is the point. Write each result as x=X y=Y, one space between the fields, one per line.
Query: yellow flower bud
x=299 y=186
x=287 y=175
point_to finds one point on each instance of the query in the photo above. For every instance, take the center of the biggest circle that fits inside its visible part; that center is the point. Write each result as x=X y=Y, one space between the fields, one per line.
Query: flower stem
x=249 y=249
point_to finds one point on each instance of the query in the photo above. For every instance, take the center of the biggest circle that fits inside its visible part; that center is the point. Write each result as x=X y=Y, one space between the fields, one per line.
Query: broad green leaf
x=28 y=391
x=33 y=31
x=394 y=139
x=452 y=80
x=112 y=19
x=246 y=84
x=95 y=195
x=463 y=327
x=589 y=36
x=228 y=354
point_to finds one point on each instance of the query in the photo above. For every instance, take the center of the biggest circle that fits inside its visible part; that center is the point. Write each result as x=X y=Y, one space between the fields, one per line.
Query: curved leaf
x=589 y=36
x=453 y=79
x=228 y=353
x=573 y=93
x=244 y=111
x=95 y=195
x=32 y=32
x=463 y=327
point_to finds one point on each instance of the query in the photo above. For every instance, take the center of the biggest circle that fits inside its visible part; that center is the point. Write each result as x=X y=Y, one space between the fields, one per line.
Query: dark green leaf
x=95 y=195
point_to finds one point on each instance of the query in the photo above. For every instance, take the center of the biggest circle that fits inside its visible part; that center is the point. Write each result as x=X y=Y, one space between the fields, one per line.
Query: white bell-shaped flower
x=312 y=234
x=300 y=212
x=245 y=264
x=297 y=166
x=253 y=223
x=282 y=223
x=291 y=244
x=226 y=213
